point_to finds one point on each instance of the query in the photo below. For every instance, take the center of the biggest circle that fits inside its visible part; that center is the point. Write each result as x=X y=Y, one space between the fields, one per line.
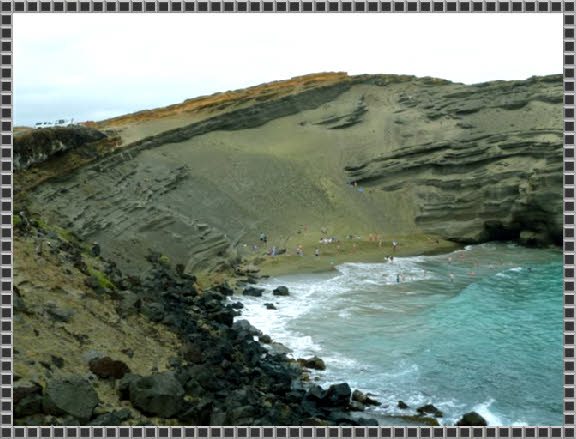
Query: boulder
x=154 y=311
x=123 y=385
x=224 y=316
x=157 y=395
x=402 y=405
x=312 y=363
x=27 y=400
x=472 y=419
x=253 y=291
x=429 y=409
x=270 y=306
x=244 y=326
x=106 y=367
x=338 y=395
x=281 y=291
x=356 y=406
x=224 y=288
x=316 y=393
x=72 y=396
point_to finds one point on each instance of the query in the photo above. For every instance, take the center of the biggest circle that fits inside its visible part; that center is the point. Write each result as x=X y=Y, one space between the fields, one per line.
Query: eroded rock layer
x=199 y=180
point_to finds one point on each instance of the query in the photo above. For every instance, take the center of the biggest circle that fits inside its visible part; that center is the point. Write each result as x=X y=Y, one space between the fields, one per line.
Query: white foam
x=483 y=409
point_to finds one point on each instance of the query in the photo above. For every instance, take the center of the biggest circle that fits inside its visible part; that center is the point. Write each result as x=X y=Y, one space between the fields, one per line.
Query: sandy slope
x=196 y=196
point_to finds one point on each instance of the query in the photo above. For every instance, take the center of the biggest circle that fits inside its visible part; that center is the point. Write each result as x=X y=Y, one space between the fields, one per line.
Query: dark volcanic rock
x=253 y=291
x=402 y=405
x=471 y=419
x=72 y=396
x=154 y=311
x=106 y=367
x=281 y=291
x=338 y=395
x=270 y=306
x=312 y=363
x=27 y=400
x=157 y=395
x=429 y=409
x=39 y=145
x=224 y=288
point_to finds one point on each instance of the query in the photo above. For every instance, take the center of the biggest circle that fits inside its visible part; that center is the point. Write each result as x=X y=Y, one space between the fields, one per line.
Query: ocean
x=489 y=340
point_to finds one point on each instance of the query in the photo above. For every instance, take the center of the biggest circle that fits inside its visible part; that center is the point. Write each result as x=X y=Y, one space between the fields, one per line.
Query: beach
x=466 y=345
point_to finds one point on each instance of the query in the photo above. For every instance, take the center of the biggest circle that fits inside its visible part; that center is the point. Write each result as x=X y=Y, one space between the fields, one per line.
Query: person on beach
x=332 y=264
x=299 y=251
x=394 y=245
x=316 y=252
x=324 y=230
x=263 y=237
x=380 y=243
x=391 y=258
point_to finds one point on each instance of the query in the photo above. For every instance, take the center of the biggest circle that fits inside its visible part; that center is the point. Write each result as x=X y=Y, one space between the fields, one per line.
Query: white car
x=58 y=123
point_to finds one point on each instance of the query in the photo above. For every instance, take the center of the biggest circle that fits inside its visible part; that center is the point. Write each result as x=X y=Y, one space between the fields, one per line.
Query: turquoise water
x=488 y=341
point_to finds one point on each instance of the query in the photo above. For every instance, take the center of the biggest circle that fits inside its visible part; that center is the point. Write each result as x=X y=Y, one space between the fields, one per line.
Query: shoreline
x=364 y=252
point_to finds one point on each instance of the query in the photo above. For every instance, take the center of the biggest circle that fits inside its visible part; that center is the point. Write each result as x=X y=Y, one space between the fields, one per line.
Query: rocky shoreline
x=223 y=375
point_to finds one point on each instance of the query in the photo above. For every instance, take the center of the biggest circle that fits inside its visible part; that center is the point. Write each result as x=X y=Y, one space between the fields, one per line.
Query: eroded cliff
x=197 y=182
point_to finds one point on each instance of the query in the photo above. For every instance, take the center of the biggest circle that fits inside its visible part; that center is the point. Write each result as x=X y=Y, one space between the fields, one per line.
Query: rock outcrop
x=39 y=145
x=486 y=187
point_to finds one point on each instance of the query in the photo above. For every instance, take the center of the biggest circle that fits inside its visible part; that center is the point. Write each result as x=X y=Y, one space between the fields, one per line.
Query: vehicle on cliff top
x=57 y=123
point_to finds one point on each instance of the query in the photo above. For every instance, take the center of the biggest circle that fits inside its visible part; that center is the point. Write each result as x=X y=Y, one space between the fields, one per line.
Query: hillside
x=436 y=163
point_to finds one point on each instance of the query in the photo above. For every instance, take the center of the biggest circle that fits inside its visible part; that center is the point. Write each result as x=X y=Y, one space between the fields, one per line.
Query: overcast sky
x=95 y=66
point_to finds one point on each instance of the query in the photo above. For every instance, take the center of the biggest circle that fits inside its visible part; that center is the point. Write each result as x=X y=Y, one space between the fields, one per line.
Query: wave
x=376 y=333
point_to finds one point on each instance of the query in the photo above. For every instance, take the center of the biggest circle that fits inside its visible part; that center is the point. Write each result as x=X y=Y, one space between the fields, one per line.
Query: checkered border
x=9 y=7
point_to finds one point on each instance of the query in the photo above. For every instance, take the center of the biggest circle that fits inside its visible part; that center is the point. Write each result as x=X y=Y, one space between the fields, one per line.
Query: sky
x=96 y=66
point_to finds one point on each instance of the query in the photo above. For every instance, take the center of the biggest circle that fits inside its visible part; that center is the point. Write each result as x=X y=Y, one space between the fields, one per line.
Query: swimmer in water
x=451 y=277
x=398 y=278
x=450 y=259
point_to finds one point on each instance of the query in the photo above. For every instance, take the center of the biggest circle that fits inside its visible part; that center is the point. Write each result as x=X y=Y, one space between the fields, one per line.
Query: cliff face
x=199 y=180
x=38 y=146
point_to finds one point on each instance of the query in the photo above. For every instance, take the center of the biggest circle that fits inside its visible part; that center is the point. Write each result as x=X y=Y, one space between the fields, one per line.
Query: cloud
x=101 y=65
